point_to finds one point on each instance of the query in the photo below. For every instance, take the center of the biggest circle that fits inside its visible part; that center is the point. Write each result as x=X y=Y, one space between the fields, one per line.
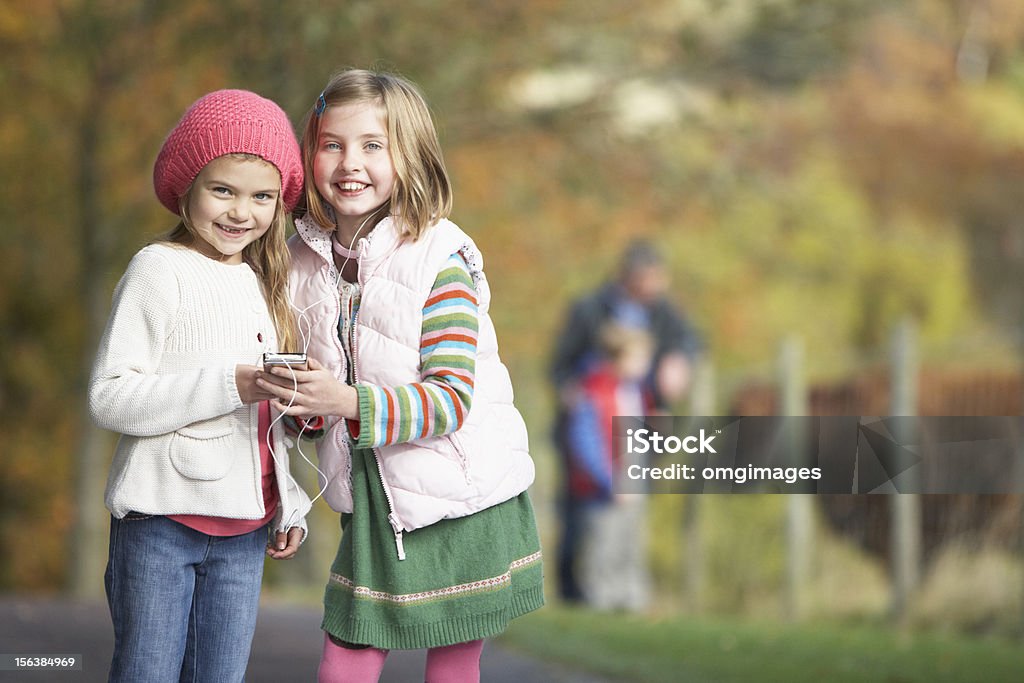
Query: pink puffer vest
x=483 y=463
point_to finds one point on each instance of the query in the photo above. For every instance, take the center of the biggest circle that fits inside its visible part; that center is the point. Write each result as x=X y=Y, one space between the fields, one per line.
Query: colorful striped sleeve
x=437 y=404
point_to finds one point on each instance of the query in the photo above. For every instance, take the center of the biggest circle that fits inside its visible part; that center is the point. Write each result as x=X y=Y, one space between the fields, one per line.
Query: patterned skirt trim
x=482 y=586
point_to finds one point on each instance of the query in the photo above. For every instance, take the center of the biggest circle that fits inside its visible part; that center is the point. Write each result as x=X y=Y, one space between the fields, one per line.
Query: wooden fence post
x=1020 y=486
x=904 y=508
x=702 y=403
x=799 y=507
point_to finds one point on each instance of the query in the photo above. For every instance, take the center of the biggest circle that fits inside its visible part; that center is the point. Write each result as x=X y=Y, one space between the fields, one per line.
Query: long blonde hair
x=422 y=194
x=268 y=257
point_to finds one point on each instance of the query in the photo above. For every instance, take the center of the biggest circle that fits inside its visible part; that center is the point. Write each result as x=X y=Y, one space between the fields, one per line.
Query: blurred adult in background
x=636 y=298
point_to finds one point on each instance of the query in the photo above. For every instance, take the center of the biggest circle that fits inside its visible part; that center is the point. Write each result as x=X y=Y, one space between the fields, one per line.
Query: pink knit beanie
x=226 y=122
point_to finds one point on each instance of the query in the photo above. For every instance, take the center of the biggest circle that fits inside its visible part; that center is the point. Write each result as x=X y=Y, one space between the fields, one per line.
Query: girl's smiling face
x=352 y=167
x=232 y=204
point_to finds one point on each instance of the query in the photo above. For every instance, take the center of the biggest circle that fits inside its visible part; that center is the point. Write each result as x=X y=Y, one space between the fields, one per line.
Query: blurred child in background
x=613 y=564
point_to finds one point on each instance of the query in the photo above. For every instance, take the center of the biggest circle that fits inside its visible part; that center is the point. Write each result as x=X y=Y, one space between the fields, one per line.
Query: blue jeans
x=183 y=603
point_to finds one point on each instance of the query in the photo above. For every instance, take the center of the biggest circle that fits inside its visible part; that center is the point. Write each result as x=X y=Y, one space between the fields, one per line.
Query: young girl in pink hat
x=200 y=476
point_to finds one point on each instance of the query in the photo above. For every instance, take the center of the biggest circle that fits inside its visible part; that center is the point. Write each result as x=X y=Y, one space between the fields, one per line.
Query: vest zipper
x=398 y=535
x=334 y=275
x=396 y=525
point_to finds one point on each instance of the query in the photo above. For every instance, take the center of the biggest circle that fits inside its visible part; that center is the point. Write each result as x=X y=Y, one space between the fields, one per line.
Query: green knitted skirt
x=462 y=579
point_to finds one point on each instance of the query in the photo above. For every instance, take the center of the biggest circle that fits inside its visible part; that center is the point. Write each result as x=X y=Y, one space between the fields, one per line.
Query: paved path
x=286 y=647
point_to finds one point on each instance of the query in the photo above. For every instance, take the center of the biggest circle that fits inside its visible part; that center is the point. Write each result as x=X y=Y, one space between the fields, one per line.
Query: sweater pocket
x=203 y=450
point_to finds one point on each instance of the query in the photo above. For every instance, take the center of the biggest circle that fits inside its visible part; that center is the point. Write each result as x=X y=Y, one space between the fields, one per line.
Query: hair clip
x=321 y=104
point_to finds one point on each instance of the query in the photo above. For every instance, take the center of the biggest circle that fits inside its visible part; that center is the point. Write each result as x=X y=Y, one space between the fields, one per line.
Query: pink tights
x=459 y=663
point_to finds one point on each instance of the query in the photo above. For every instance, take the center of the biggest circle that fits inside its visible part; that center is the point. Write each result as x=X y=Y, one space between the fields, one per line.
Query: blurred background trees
x=821 y=169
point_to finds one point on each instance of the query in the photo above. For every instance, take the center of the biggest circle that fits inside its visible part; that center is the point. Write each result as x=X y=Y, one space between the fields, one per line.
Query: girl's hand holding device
x=307 y=393
x=248 y=391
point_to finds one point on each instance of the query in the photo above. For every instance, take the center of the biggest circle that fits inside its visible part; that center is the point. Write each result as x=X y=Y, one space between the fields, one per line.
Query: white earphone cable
x=305 y=329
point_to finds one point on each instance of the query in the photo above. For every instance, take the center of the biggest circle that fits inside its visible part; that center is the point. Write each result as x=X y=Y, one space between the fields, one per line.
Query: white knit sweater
x=164 y=378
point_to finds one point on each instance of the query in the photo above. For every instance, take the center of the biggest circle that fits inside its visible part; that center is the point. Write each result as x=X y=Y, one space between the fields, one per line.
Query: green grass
x=702 y=650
